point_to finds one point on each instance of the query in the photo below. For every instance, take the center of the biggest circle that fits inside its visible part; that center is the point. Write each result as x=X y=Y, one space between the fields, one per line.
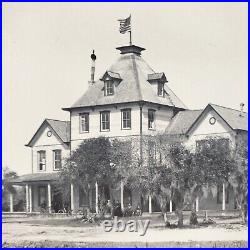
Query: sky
x=201 y=47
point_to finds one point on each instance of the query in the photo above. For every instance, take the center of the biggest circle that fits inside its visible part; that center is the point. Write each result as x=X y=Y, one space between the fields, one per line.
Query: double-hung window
x=57 y=155
x=84 y=122
x=109 y=87
x=41 y=160
x=105 y=120
x=151 y=119
x=161 y=89
x=126 y=119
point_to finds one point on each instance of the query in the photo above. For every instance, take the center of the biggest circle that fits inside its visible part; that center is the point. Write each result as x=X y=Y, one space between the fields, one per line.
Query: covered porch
x=39 y=191
x=41 y=196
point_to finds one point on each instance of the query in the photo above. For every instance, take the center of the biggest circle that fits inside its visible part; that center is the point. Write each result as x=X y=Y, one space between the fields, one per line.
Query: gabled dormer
x=110 y=80
x=158 y=80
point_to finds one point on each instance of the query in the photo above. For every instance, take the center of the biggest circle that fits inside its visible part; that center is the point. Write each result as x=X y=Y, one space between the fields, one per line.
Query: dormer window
x=109 y=88
x=111 y=80
x=160 y=89
x=158 y=80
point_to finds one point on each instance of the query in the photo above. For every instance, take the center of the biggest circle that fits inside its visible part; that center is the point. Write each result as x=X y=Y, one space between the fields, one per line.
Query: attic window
x=160 y=89
x=109 y=88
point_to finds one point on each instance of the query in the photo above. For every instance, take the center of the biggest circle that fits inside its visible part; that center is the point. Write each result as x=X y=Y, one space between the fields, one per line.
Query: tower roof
x=134 y=85
x=131 y=49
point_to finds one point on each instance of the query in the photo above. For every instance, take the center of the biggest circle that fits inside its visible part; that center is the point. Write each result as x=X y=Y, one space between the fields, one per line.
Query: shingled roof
x=134 y=86
x=182 y=122
x=61 y=129
x=185 y=120
x=37 y=177
x=233 y=117
x=157 y=76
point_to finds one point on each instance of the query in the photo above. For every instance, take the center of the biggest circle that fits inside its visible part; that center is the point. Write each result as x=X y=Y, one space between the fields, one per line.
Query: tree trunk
x=179 y=214
x=164 y=214
x=112 y=209
x=243 y=212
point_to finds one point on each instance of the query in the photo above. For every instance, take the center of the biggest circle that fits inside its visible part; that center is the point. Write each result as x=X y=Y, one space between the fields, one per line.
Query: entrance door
x=42 y=197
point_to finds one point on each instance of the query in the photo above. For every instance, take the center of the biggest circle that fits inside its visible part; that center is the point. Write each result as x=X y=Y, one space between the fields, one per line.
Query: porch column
x=72 y=207
x=49 y=197
x=30 y=198
x=96 y=198
x=122 y=188
x=197 y=204
x=223 y=197
x=170 y=206
x=150 y=204
x=11 y=202
x=27 y=197
x=90 y=199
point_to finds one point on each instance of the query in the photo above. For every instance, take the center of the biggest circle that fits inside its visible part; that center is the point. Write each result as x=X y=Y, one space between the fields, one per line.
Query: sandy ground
x=28 y=229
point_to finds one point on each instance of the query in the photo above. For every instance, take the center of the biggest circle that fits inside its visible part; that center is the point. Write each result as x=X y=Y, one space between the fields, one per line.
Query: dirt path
x=22 y=231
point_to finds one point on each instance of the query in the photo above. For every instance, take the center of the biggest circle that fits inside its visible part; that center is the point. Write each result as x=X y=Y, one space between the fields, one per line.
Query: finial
x=241 y=108
x=93 y=56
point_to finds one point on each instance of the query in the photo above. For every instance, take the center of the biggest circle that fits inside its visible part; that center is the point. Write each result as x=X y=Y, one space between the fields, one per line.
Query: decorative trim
x=212 y=120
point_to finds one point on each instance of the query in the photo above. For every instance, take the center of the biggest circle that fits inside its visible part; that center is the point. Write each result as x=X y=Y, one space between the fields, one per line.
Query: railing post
x=11 y=202
x=122 y=188
x=49 y=197
x=223 y=197
x=72 y=205
x=150 y=204
x=30 y=198
x=27 y=197
x=170 y=206
x=96 y=198
x=197 y=204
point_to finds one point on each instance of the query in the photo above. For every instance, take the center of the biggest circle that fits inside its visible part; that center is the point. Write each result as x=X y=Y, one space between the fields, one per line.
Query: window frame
x=153 y=124
x=127 y=120
x=101 y=121
x=39 y=160
x=80 y=122
x=201 y=142
x=54 y=159
x=162 y=89
x=109 y=85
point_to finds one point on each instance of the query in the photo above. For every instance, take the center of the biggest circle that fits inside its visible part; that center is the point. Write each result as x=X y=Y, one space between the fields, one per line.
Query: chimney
x=241 y=108
x=93 y=58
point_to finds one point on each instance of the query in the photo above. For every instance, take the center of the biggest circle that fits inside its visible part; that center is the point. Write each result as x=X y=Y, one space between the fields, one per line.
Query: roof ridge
x=192 y=110
x=136 y=76
x=226 y=107
x=48 y=119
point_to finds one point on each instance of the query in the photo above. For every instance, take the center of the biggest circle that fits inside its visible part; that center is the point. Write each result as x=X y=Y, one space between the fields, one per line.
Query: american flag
x=125 y=25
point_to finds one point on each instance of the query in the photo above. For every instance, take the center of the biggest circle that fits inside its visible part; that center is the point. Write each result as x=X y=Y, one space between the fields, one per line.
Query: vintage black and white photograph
x=125 y=125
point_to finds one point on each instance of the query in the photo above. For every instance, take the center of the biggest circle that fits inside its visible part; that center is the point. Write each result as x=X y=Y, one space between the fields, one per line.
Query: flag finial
x=125 y=26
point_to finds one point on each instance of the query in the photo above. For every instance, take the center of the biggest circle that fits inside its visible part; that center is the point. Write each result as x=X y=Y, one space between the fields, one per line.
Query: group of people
x=128 y=210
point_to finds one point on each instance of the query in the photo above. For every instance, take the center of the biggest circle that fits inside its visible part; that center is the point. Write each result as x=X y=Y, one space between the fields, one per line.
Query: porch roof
x=37 y=177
